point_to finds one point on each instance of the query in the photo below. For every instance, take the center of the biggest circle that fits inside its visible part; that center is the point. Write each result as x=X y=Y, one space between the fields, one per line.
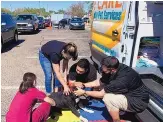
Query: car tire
x=37 y=29
x=34 y=31
x=16 y=37
x=1 y=44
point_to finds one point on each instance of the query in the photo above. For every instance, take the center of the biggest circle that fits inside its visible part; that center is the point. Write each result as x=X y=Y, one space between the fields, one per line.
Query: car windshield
x=76 y=19
x=24 y=17
x=40 y=18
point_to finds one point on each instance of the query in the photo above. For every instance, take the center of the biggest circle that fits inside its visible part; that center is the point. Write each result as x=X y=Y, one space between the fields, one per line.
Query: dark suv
x=8 y=29
x=76 y=23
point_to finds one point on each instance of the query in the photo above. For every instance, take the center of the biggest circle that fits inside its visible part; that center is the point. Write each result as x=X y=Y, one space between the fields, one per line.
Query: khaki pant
x=115 y=102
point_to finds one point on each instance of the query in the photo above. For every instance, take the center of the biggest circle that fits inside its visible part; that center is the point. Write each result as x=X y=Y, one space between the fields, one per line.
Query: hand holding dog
x=79 y=92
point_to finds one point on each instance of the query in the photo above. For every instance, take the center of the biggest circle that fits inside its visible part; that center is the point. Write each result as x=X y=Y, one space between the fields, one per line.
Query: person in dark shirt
x=50 y=56
x=122 y=88
x=82 y=71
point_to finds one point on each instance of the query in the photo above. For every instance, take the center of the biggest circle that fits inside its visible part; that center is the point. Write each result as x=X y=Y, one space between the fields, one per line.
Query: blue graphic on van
x=106 y=50
x=107 y=15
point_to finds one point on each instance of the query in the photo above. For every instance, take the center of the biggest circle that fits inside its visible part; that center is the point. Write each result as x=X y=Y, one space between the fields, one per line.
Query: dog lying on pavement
x=71 y=102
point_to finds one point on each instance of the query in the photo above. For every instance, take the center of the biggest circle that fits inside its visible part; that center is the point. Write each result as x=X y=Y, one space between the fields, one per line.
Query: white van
x=133 y=32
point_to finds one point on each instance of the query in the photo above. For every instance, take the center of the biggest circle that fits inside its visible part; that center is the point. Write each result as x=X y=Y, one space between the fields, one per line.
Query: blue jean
x=48 y=71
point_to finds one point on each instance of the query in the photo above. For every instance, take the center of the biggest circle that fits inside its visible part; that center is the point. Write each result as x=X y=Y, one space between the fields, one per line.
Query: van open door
x=129 y=33
x=148 y=56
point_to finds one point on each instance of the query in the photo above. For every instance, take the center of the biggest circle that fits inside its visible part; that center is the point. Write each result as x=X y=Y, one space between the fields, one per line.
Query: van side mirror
x=3 y=24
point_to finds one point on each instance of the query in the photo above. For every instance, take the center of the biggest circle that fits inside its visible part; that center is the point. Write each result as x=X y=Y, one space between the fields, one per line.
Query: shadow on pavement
x=29 y=33
x=8 y=46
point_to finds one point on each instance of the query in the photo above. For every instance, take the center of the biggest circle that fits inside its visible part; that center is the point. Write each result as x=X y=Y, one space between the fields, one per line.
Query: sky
x=48 y=5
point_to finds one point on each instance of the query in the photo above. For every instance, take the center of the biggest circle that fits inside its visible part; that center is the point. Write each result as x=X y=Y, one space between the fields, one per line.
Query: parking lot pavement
x=16 y=59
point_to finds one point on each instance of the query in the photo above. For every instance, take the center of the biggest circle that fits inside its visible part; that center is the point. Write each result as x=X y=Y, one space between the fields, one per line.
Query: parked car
x=86 y=19
x=41 y=22
x=8 y=29
x=76 y=23
x=27 y=23
x=47 y=22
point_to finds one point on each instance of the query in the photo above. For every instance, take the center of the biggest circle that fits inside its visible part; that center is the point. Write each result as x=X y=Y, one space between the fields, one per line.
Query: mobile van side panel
x=108 y=19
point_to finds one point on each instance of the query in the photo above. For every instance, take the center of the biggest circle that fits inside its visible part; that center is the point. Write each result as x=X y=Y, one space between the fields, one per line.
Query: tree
x=51 y=12
x=41 y=11
x=90 y=6
x=5 y=10
x=77 y=9
x=61 y=11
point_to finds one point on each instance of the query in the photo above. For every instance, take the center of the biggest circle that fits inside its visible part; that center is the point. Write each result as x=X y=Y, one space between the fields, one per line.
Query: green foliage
x=4 y=10
x=75 y=10
x=40 y=12
x=60 y=11
x=90 y=5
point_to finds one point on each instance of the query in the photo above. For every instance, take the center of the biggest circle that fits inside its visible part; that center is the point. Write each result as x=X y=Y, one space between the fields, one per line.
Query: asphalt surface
x=17 y=59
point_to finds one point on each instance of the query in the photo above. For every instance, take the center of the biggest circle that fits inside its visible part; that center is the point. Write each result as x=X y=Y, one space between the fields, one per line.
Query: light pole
x=39 y=8
x=47 y=7
x=10 y=8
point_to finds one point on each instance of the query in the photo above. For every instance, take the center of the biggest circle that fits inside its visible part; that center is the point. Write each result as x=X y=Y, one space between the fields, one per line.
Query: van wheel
x=16 y=37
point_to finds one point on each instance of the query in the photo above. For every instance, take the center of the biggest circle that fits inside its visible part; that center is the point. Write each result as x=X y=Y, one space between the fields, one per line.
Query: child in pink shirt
x=21 y=108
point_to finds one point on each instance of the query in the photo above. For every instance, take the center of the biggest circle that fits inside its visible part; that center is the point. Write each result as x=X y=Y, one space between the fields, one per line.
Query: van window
x=155 y=11
x=149 y=54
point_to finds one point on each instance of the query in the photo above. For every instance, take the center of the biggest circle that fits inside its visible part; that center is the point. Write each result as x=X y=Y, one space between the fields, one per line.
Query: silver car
x=27 y=23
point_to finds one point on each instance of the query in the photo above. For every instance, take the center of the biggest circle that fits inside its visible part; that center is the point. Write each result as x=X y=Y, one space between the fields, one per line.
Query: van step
x=146 y=116
x=155 y=89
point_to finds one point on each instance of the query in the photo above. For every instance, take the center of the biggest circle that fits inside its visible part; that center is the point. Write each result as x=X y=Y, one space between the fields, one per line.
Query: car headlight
x=30 y=25
x=72 y=23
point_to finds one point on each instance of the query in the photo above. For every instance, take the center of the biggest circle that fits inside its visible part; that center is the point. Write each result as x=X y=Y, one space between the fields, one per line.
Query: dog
x=71 y=102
